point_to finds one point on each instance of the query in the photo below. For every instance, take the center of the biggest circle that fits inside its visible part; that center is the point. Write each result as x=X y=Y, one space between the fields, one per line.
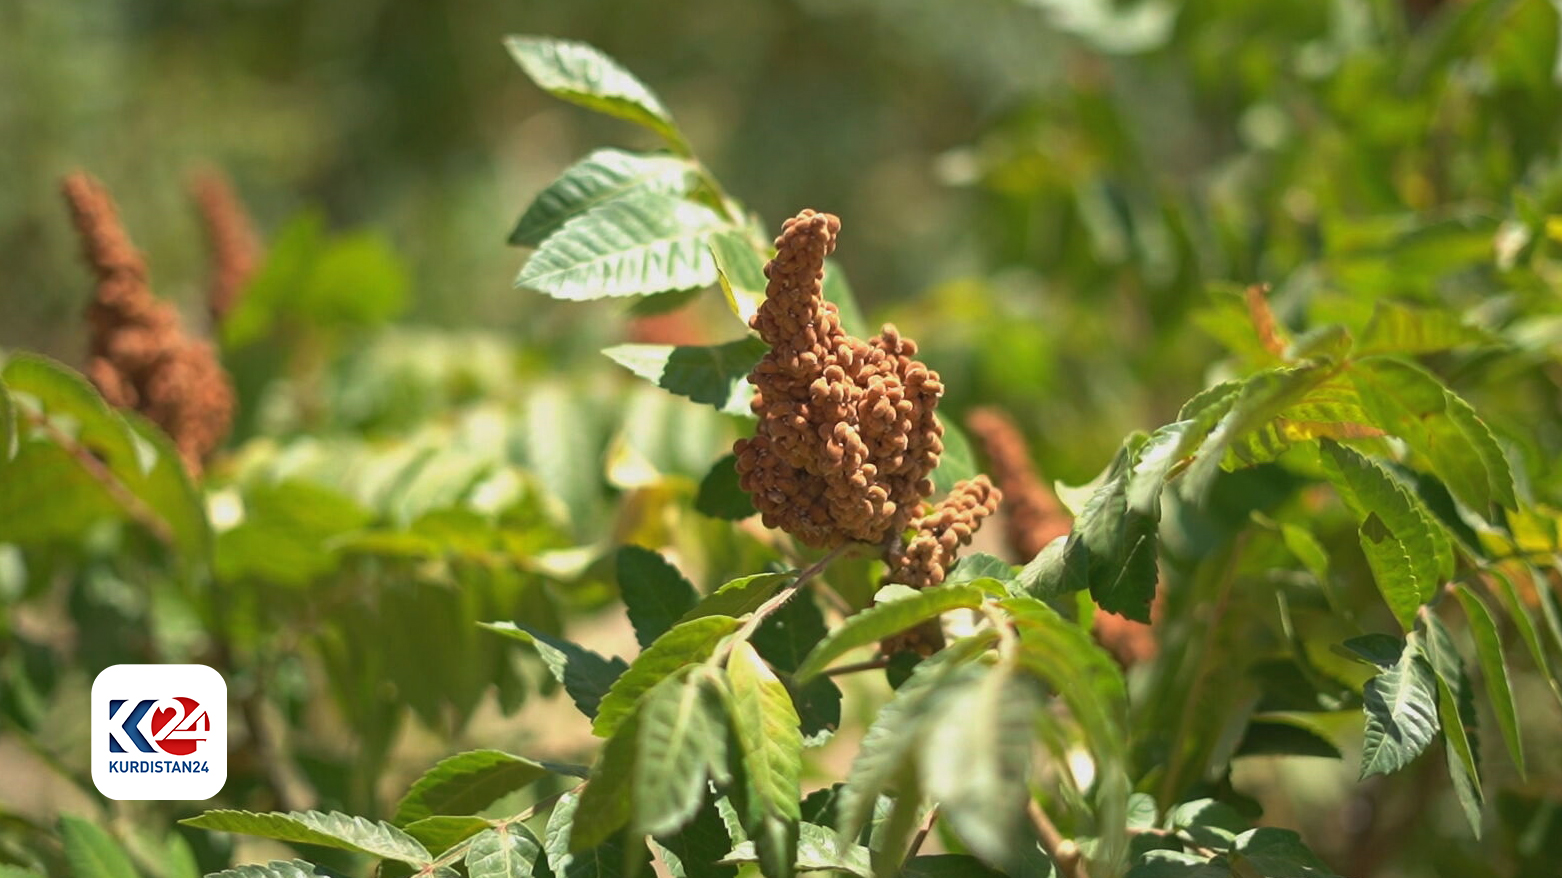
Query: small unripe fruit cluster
x=942 y=532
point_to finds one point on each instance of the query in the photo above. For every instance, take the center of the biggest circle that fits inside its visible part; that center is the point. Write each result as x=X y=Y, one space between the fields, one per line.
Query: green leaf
x=277 y=869
x=92 y=852
x=1062 y=655
x=1456 y=713
x=606 y=804
x=1397 y=328
x=636 y=245
x=957 y=463
x=287 y=534
x=655 y=594
x=1276 y=853
x=720 y=495
x=1494 y=670
x=614 y=858
x=1413 y=405
x=766 y=727
x=1401 y=707
x=837 y=291
x=1113 y=545
x=951 y=866
x=130 y=461
x=682 y=736
x=1407 y=550
x=582 y=75
x=686 y=643
x=7 y=423
x=896 y=733
x=715 y=375
x=328 y=829
x=46 y=495
x=508 y=851
x=817 y=851
x=739 y=597
x=440 y=834
x=466 y=783
x=983 y=795
x=603 y=176
x=878 y=622
x=585 y=675
x=694 y=851
x=979 y=565
x=1524 y=621
x=1261 y=398
x=784 y=641
x=741 y=269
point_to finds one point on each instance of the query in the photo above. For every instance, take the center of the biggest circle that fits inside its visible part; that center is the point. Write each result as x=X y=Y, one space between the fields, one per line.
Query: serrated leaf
x=1113 y=545
x=582 y=74
x=695 y=851
x=893 y=738
x=93 y=853
x=440 y=834
x=611 y=859
x=1524 y=621
x=686 y=643
x=1408 y=552
x=1260 y=399
x=1277 y=853
x=585 y=675
x=720 y=495
x=655 y=594
x=979 y=565
x=1401 y=707
x=466 y=783
x=715 y=375
x=682 y=736
x=784 y=641
x=508 y=851
x=1456 y=713
x=1494 y=671
x=606 y=804
x=739 y=597
x=878 y=622
x=766 y=726
x=328 y=829
x=603 y=176
x=1398 y=328
x=1062 y=655
x=817 y=851
x=1438 y=425
x=983 y=795
x=633 y=246
x=277 y=869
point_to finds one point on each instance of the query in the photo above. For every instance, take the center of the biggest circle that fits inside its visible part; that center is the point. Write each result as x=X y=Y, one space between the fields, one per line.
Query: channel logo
x=159 y=732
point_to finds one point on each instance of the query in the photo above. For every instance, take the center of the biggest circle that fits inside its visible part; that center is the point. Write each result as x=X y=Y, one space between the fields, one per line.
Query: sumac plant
x=1343 y=548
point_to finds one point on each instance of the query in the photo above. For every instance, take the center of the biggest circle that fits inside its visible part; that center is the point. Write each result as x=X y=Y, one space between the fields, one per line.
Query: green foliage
x=1377 y=452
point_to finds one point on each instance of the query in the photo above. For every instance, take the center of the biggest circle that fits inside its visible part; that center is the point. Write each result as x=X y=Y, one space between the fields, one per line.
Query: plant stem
x=1064 y=853
x=869 y=665
x=922 y=831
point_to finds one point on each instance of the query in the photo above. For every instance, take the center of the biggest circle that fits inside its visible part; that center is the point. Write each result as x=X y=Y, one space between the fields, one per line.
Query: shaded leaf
x=817 y=851
x=93 y=853
x=682 y=734
x=714 y=374
x=440 y=834
x=1401 y=707
x=614 y=858
x=655 y=593
x=720 y=495
x=1494 y=670
x=585 y=675
x=739 y=597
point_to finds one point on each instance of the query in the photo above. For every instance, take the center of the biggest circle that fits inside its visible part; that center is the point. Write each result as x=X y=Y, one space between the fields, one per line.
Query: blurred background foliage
x=1051 y=196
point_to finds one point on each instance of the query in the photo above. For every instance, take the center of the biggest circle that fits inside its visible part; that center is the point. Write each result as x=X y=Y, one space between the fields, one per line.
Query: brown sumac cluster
x=140 y=356
x=847 y=435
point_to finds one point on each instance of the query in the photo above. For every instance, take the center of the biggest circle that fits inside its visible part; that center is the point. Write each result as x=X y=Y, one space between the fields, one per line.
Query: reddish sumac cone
x=847 y=435
x=140 y=357
x=941 y=533
x=1033 y=515
x=230 y=238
